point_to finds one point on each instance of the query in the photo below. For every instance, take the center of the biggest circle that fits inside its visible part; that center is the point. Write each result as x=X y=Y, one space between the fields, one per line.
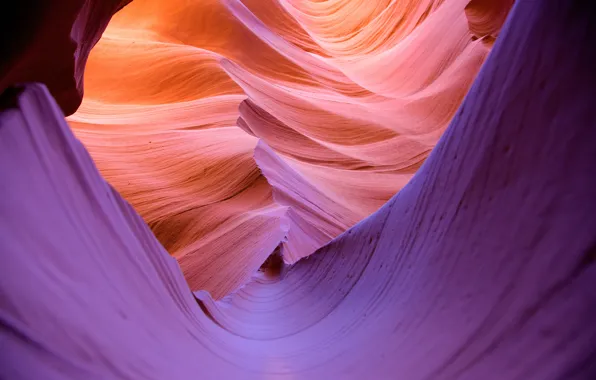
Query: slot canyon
x=298 y=189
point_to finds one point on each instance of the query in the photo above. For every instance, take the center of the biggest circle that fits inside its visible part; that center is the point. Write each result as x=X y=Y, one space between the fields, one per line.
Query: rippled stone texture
x=346 y=98
x=482 y=267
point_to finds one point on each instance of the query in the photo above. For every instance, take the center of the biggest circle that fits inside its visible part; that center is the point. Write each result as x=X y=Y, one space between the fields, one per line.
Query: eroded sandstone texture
x=338 y=105
x=481 y=267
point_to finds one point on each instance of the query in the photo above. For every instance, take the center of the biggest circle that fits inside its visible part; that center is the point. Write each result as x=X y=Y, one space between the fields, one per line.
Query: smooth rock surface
x=481 y=267
x=347 y=98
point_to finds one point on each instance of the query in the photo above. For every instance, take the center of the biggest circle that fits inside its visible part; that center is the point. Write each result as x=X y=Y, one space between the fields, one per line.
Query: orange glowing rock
x=347 y=99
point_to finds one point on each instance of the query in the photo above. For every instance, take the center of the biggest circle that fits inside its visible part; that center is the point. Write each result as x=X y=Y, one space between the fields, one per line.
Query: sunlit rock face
x=234 y=127
x=481 y=267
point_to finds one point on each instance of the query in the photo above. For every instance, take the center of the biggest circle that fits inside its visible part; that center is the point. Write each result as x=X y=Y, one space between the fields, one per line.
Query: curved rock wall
x=481 y=267
x=346 y=99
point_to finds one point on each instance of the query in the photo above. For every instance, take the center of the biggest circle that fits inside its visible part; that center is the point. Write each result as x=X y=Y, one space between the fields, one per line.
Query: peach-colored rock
x=347 y=98
x=481 y=267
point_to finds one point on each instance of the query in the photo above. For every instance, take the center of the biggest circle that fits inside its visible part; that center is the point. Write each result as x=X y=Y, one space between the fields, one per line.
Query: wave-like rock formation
x=481 y=267
x=235 y=127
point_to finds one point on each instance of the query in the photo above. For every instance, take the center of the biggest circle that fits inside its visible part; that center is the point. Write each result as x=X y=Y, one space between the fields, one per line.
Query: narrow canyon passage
x=236 y=127
x=431 y=211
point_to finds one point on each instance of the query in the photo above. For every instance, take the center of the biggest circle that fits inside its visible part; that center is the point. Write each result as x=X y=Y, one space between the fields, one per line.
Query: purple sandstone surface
x=482 y=267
